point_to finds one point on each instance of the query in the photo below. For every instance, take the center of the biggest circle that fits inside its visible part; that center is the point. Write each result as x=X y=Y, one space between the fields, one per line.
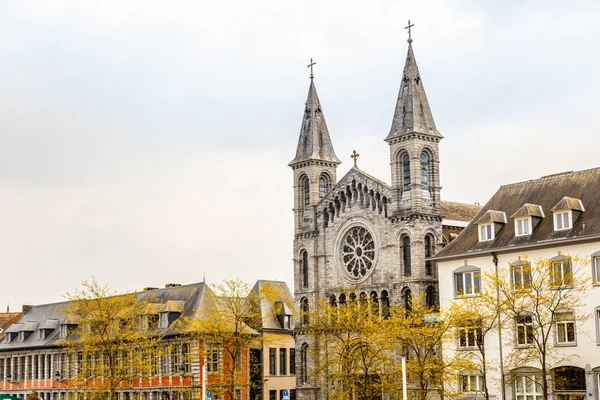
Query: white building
x=556 y=217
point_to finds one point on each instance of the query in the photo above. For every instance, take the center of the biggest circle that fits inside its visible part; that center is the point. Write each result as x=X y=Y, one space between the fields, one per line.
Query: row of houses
x=179 y=364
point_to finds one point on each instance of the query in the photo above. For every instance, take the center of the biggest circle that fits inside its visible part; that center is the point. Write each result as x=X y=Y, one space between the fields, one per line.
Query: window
x=304 y=363
x=164 y=320
x=292 y=361
x=424 y=171
x=428 y=253
x=272 y=394
x=561 y=273
x=282 y=361
x=406 y=173
x=562 y=220
x=323 y=186
x=528 y=387
x=152 y=321
x=272 y=361
x=305 y=185
x=467 y=283
x=212 y=359
x=520 y=274
x=525 y=335
x=304 y=268
x=596 y=267
x=597 y=317
x=472 y=383
x=469 y=337
x=304 y=310
x=522 y=226
x=430 y=297
x=565 y=328
x=486 y=232
x=406 y=255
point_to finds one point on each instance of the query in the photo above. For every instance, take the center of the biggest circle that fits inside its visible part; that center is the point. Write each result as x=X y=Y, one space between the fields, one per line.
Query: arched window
x=385 y=304
x=304 y=363
x=304 y=309
x=428 y=253
x=323 y=186
x=406 y=255
x=405 y=173
x=430 y=297
x=333 y=301
x=305 y=185
x=407 y=300
x=374 y=304
x=424 y=171
x=304 y=268
x=342 y=299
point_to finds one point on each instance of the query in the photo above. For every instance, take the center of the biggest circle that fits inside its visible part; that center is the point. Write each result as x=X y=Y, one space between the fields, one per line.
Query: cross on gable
x=354 y=156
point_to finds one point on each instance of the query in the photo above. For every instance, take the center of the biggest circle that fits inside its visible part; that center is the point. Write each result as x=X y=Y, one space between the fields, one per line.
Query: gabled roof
x=529 y=210
x=360 y=176
x=412 y=113
x=455 y=211
x=314 y=142
x=568 y=203
x=492 y=216
x=545 y=192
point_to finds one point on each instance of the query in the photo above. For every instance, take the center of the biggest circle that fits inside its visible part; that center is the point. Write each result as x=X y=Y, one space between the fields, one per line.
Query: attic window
x=486 y=232
x=21 y=336
x=562 y=220
x=164 y=320
x=523 y=226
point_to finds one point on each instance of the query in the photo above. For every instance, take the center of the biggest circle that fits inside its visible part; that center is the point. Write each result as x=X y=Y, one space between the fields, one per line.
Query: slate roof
x=546 y=192
x=456 y=211
x=191 y=300
x=273 y=292
x=314 y=142
x=412 y=113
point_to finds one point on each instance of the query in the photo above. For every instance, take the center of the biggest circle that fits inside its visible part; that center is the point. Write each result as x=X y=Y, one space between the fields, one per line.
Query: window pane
x=561 y=333
x=459 y=284
x=468 y=283
x=526 y=226
x=477 y=283
x=519 y=227
x=559 y=221
x=482 y=232
x=489 y=231
x=566 y=223
x=596 y=269
x=571 y=332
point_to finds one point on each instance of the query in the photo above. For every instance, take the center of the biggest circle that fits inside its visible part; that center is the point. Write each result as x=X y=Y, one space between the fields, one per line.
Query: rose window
x=358 y=252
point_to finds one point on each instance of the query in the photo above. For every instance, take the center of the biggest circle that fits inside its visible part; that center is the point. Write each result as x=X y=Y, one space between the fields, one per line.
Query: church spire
x=412 y=112
x=314 y=142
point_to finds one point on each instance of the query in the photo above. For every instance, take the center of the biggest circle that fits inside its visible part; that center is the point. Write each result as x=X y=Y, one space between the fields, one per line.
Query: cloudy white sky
x=144 y=143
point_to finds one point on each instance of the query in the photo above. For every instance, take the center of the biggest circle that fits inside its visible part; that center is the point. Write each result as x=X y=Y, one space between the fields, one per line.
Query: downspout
x=502 y=380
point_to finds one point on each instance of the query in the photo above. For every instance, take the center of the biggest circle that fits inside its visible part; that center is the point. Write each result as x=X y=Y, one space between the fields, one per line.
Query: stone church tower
x=361 y=237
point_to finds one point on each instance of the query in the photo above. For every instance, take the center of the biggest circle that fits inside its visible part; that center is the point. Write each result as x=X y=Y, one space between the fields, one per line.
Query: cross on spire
x=408 y=27
x=311 y=67
x=354 y=156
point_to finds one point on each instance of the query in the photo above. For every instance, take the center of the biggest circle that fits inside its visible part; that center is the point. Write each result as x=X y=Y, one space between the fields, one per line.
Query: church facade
x=360 y=237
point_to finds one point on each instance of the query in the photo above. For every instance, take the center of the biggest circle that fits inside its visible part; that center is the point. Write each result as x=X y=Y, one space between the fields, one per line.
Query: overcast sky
x=144 y=143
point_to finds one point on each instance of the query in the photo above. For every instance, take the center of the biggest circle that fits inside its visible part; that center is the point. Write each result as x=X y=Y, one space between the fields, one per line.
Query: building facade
x=555 y=219
x=361 y=237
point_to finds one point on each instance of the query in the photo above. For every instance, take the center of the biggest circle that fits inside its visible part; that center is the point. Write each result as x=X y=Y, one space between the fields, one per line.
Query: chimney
x=169 y=285
x=26 y=307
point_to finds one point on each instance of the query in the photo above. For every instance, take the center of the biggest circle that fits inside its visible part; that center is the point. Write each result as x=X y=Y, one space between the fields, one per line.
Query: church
x=360 y=237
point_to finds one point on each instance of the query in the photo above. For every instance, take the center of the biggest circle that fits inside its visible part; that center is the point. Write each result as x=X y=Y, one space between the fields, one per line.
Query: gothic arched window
x=305 y=185
x=323 y=186
x=407 y=300
x=405 y=173
x=385 y=304
x=304 y=363
x=428 y=253
x=304 y=268
x=406 y=255
x=304 y=309
x=342 y=299
x=424 y=171
x=430 y=297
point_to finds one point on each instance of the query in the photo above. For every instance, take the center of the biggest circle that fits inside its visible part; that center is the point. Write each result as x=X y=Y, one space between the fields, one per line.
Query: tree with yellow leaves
x=106 y=346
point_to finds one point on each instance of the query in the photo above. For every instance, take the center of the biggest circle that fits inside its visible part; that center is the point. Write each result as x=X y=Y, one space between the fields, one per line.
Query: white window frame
x=561 y=324
x=528 y=387
x=524 y=271
x=486 y=232
x=468 y=277
x=596 y=267
x=525 y=326
x=561 y=273
x=523 y=226
x=597 y=318
x=164 y=320
x=471 y=337
x=563 y=220
x=64 y=331
x=472 y=383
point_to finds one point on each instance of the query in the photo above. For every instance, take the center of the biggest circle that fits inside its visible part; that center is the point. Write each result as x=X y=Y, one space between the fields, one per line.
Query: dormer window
x=489 y=224
x=486 y=232
x=523 y=226
x=41 y=334
x=21 y=336
x=562 y=220
x=566 y=212
x=64 y=331
x=164 y=320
